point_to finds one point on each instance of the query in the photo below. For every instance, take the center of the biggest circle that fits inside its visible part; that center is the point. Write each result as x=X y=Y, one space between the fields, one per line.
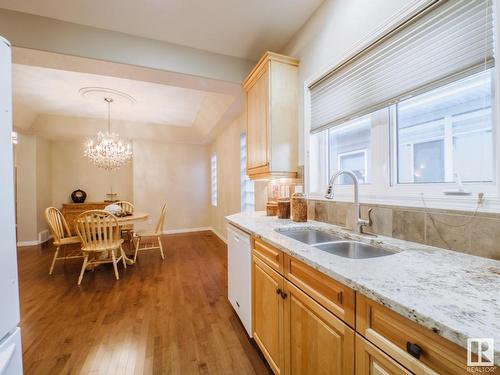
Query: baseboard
x=187 y=230
x=32 y=243
x=219 y=235
x=199 y=229
x=28 y=243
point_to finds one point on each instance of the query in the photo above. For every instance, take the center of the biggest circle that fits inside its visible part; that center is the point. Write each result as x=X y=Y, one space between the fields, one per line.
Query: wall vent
x=43 y=236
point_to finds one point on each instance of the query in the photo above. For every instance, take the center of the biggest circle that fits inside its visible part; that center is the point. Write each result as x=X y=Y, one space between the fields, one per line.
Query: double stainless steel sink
x=332 y=244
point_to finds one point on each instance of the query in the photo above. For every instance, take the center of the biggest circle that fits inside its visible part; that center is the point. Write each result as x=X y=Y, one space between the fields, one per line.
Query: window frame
x=381 y=188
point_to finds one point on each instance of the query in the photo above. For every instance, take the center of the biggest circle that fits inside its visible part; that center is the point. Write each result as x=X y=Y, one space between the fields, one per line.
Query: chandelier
x=108 y=150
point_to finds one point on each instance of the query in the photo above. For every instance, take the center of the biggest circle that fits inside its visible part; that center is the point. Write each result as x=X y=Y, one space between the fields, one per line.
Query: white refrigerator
x=10 y=333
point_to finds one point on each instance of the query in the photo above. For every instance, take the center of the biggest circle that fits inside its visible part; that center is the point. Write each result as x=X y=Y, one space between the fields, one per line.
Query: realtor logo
x=484 y=348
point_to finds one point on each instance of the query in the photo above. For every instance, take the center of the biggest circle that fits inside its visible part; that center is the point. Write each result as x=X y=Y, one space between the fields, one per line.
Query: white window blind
x=450 y=39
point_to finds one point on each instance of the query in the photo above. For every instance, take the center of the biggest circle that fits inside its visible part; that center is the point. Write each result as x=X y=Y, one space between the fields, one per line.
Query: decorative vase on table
x=78 y=196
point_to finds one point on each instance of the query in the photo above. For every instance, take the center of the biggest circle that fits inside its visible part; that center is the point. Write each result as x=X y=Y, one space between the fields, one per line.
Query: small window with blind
x=213 y=178
x=247 y=185
x=414 y=108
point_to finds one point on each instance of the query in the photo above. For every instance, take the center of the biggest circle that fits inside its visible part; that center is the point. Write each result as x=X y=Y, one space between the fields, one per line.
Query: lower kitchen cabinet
x=304 y=324
x=372 y=361
x=316 y=341
x=296 y=334
x=267 y=311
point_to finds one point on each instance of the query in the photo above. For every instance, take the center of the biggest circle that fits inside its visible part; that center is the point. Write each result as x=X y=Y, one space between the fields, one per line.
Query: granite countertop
x=454 y=294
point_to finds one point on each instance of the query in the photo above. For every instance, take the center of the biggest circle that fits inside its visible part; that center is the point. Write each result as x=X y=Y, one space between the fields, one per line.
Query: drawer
x=393 y=333
x=269 y=255
x=334 y=296
x=370 y=360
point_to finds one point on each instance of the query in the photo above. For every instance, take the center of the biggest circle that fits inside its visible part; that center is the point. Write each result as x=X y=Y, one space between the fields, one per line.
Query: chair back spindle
x=57 y=224
x=127 y=207
x=161 y=220
x=97 y=229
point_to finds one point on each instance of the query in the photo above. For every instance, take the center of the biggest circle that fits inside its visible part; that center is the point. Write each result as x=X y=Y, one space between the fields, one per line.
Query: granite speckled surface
x=454 y=294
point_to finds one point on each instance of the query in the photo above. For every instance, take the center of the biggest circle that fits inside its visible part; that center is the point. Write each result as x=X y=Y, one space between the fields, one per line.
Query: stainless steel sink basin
x=309 y=236
x=353 y=250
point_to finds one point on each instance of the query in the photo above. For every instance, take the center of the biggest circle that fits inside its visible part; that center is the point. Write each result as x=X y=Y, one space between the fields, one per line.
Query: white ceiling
x=240 y=28
x=56 y=92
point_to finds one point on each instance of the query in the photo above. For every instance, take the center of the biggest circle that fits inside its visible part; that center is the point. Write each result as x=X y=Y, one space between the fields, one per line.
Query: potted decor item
x=78 y=196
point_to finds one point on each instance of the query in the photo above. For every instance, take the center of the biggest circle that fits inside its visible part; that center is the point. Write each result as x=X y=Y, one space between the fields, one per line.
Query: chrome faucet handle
x=366 y=222
x=370 y=220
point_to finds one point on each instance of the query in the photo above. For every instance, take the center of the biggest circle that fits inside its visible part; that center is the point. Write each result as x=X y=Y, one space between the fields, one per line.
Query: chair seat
x=67 y=241
x=103 y=247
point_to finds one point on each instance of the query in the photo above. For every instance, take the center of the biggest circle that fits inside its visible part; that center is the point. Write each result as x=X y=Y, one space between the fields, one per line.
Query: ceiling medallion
x=97 y=93
x=108 y=150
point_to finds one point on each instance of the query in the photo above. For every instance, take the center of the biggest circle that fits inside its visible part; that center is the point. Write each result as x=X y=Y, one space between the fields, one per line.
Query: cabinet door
x=372 y=361
x=268 y=313
x=316 y=341
x=257 y=124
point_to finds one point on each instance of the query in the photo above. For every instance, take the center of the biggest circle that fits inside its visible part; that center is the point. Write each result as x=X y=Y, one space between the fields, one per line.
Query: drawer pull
x=414 y=350
x=399 y=354
x=281 y=293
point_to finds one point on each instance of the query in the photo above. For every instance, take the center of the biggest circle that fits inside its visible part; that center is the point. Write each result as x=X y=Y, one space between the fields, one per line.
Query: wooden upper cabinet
x=267 y=313
x=316 y=341
x=272 y=117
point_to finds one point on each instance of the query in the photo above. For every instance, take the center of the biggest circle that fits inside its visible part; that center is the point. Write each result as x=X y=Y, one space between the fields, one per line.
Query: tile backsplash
x=454 y=230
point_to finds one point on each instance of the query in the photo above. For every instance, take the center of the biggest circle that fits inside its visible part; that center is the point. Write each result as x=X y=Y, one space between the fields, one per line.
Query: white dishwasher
x=239 y=274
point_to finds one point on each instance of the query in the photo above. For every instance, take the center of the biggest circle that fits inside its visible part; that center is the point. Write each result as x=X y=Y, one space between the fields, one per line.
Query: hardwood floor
x=169 y=317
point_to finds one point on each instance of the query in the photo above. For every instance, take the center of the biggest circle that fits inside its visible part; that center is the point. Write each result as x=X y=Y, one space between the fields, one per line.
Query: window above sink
x=404 y=116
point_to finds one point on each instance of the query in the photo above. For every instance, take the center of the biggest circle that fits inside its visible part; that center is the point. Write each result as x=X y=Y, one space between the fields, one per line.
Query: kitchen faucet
x=358 y=221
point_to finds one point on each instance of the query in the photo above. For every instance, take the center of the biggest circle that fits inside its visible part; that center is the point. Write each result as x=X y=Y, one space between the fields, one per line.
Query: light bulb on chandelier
x=108 y=150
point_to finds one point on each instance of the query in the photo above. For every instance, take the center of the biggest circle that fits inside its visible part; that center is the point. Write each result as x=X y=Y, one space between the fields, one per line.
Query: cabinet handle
x=414 y=350
x=284 y=295
x=278 y=291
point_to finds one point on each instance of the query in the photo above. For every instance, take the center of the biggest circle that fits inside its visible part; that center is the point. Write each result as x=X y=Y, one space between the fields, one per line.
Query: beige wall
x=26 y=195
x=177 y=174
x=71 y=171
x=43 y=181
x=331 y=32
x=227 y=148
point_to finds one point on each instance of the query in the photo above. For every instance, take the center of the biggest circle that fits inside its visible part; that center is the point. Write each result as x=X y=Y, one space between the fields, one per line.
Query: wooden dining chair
x=126 y=206
x=154 y=236
x=99 y=233
x=62 y=237
x=127 y=230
